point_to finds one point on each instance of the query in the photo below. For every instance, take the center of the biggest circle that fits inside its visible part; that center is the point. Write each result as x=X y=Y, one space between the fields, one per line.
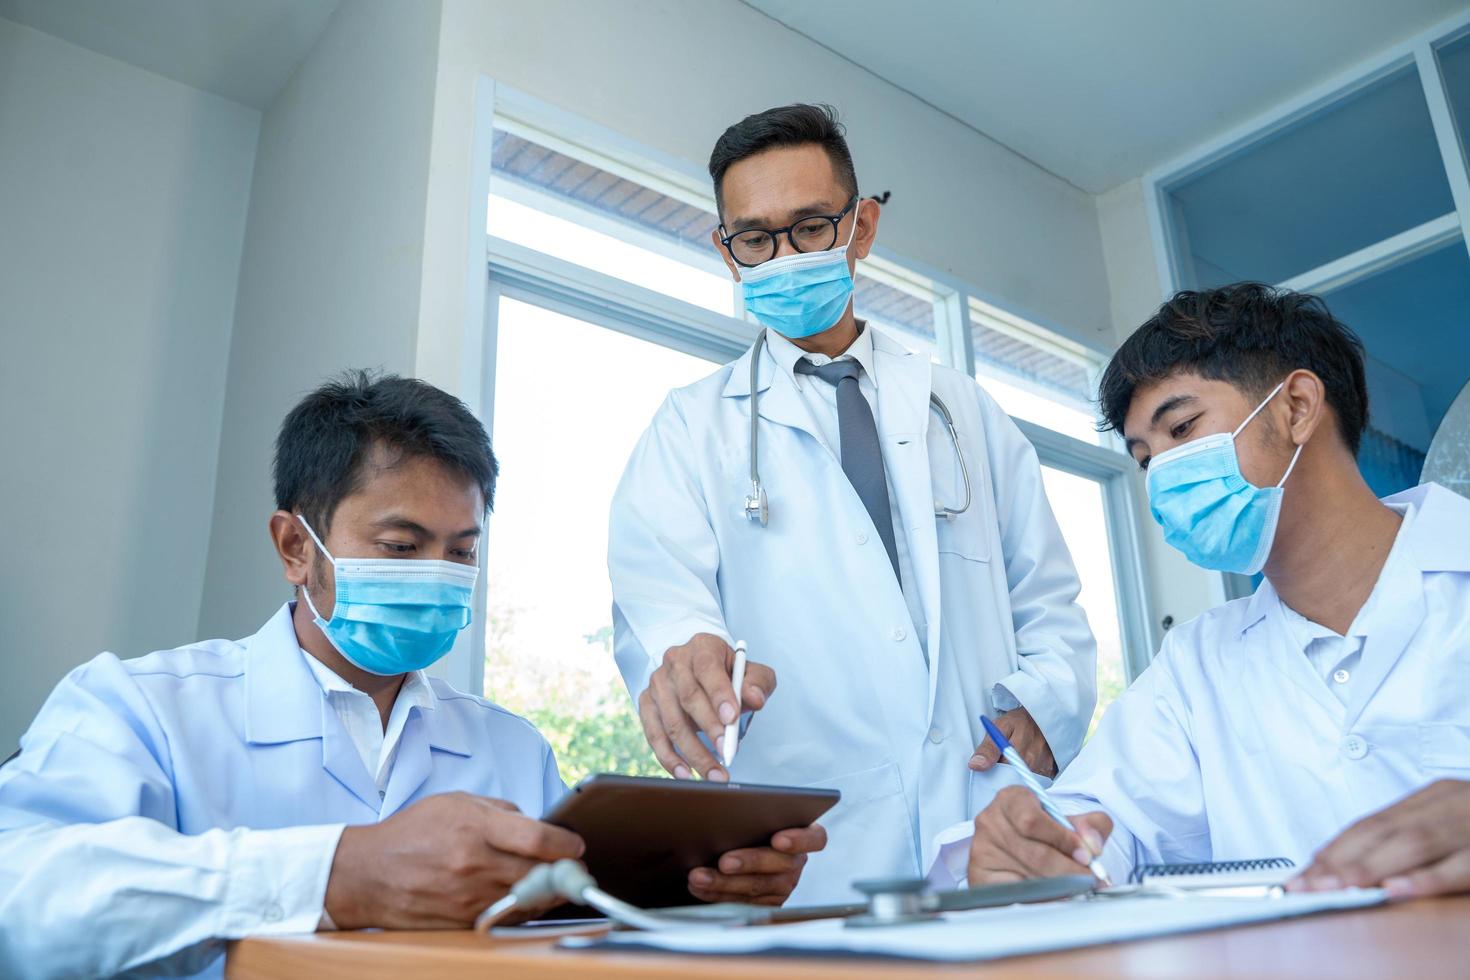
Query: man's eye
x=1143 y=463
x=397 y=547
x=1179 y=431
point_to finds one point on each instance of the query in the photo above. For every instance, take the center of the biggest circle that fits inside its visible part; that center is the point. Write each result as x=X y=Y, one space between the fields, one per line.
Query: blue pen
x=1009 y=753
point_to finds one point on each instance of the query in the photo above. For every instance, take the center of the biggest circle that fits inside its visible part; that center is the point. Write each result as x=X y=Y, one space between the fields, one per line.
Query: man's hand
x=691 y=692
x=759 y=875
x=1022 y=731
x=1419 y=846
x=1015 y=839
x=438 y=863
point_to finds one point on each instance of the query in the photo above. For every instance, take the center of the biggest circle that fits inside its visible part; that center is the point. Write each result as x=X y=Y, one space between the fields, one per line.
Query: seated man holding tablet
x=1326 y=718
x=309 y=776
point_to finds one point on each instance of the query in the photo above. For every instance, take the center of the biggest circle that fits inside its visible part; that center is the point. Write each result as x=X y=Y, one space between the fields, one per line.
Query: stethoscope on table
x=888 y=902
x=758 y=507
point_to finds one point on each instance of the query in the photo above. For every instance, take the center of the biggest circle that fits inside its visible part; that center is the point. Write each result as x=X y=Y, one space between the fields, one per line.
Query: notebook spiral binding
x=1206 y=868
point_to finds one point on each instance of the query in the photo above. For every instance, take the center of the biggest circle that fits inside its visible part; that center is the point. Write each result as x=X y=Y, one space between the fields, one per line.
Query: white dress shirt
x=821 y=399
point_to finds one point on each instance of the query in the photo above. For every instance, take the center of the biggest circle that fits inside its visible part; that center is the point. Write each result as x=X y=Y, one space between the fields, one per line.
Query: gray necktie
x=862 y=454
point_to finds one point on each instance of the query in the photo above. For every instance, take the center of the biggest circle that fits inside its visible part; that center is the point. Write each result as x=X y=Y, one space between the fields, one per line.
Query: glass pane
x=1034 y=375
x=1078 y=503
x=1454 y=66
x=549 y=634
x=1414 y=320
x=564 y=207
x=909 y=318
x=1362 y=170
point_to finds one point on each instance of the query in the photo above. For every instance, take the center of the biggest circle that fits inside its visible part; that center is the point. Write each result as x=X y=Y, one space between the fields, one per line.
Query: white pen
x=737 y=678
x=1009 y=753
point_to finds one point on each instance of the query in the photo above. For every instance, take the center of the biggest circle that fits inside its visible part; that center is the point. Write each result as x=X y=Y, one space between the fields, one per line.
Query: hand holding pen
x=691 y=698
x=1015 y=833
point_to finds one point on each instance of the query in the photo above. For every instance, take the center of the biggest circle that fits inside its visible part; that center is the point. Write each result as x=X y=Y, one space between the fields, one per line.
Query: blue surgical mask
x=802 y=294
x=395 y=615
x=1208 y=509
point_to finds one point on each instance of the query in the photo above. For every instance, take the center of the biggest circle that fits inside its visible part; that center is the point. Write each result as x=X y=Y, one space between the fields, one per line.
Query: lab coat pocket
x=1443 y=746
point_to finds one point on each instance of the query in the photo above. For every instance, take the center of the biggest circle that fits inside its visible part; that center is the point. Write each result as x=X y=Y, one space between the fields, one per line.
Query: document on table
x=986 y=934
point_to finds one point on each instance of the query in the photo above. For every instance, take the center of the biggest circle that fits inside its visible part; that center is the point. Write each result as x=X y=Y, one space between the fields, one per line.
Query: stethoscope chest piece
x=893 y=902
x=757 y=506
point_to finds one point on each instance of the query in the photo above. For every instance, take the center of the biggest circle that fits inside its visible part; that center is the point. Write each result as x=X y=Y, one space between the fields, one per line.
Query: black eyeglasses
x=816 y=233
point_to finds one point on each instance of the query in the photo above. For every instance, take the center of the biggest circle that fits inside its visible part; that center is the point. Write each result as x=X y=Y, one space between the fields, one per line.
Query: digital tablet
x=644 y=835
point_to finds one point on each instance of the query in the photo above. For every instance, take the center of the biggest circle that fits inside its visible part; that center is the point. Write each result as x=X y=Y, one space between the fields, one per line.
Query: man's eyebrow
x=402 y=524
x=792 y=216
x=1168 y=405
x=413 y=527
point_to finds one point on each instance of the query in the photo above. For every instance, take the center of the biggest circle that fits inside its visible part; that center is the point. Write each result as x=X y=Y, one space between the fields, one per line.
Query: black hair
x=1249 y=335
x=326 y=439
x=789 y=125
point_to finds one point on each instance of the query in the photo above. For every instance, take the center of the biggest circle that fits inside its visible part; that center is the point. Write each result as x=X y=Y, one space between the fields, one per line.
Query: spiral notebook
x=1261 y=876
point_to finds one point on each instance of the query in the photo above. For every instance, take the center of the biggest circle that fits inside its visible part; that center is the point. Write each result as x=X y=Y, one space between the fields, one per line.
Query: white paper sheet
x=987 y=934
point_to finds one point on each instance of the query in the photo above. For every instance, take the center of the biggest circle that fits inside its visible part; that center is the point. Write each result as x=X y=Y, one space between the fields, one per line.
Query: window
x=549 y=632
x=1362 y=169
x=1081 y=511
x=561 y=206
x=1035 y=375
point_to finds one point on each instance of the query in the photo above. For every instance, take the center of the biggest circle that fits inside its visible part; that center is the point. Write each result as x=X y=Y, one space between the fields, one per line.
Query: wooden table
x=1418 y=940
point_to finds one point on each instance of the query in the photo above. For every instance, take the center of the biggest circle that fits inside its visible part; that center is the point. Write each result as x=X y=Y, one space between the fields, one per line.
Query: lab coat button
x=272 y=912
x=1354 y=747
x=1340 y=675
x=862 y=537
x=936 y=736
x=899 y=634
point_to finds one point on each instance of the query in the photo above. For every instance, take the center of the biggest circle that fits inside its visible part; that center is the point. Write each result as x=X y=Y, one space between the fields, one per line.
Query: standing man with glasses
x=872 y=525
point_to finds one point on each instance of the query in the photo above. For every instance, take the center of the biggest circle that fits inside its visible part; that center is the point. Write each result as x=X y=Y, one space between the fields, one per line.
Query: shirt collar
x=415 y=689
x=1402 y=561
x=786 y=354
x=284 y=691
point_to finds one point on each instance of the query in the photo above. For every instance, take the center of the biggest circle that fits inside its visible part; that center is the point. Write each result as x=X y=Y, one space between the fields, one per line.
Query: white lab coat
x=162 y=805
x=1231 y=744
x=814 y=596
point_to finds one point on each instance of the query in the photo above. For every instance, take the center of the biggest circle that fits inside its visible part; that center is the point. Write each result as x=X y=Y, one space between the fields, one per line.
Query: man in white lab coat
x=309 y=776
x=1324 y=719
x=896 y=580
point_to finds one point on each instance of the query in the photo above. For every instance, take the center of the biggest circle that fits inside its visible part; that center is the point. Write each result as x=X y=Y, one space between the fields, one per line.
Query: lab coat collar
x=1441 y=527
x=284 y=701
x=1433 y=542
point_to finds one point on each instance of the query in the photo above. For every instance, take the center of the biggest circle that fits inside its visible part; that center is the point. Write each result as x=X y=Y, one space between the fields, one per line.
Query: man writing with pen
x=1324 y=719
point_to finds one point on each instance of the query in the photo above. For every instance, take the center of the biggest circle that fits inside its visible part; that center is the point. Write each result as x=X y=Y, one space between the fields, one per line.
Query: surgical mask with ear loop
x=1208 y=509
x=394 y=615
x=802 y=294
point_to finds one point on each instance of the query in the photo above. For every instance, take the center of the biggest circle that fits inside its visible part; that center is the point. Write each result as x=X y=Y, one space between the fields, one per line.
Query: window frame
x=518 y=272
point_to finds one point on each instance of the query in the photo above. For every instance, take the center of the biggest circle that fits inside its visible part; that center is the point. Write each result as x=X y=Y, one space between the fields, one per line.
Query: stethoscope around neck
x=758 y=506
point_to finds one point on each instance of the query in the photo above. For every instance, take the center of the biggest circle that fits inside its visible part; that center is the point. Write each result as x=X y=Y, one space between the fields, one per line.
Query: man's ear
x=714 y=237
x=1306 y=402
x=292 y=545
x=867 y=212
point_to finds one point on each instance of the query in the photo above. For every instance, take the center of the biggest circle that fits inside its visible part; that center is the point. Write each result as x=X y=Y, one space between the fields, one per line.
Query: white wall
x=332 y=265
x=122 y=212
x=1178 y=589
